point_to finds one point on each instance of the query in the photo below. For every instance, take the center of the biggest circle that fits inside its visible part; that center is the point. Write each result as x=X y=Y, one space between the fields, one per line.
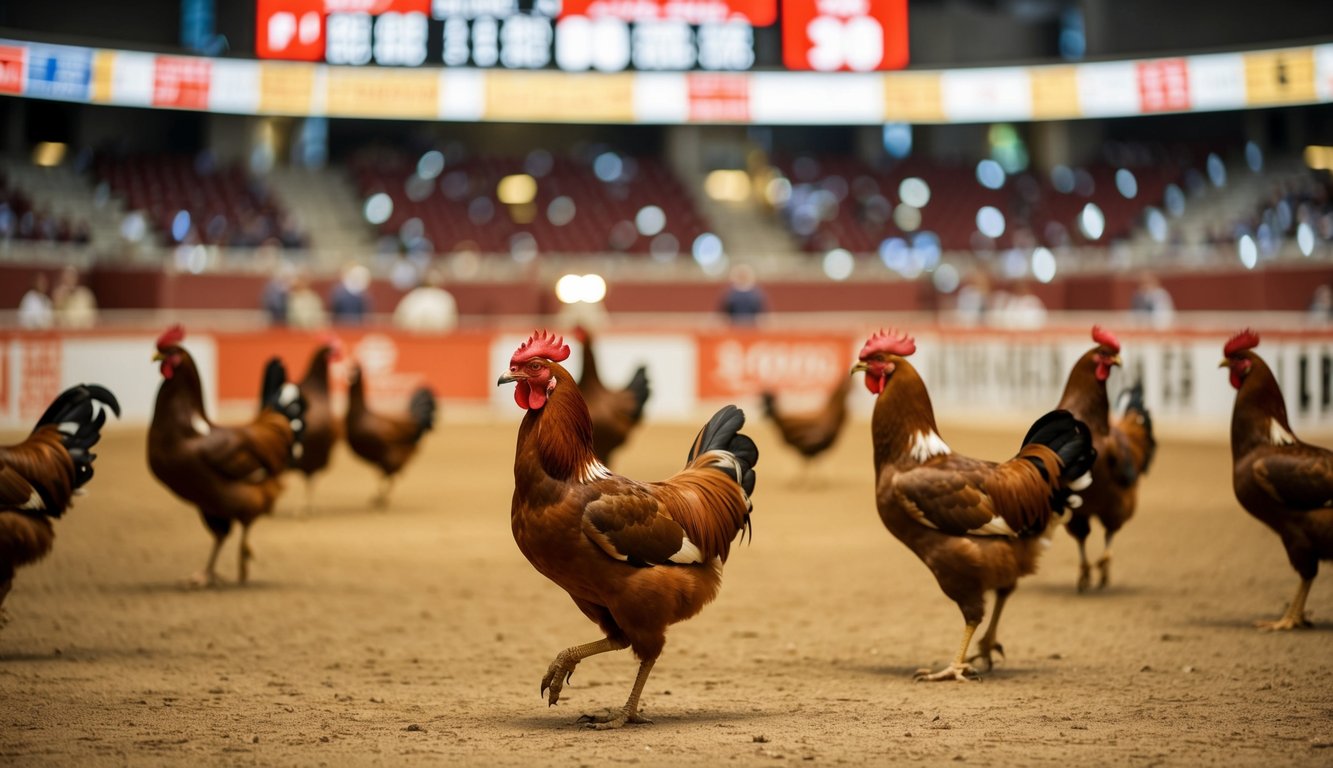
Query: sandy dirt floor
x=418 y=635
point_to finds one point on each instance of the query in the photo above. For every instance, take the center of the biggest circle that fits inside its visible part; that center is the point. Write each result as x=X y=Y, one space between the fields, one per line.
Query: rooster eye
x=532 y=366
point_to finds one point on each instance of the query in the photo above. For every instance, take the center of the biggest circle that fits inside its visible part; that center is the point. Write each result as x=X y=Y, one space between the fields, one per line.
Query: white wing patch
x=592 y=471
x=1279 y=435
x=199 y=424
x=928 y=444
x=688 y=553
x=1081 y=482
x=288 y=394
x=34 y=502
x=996 y=527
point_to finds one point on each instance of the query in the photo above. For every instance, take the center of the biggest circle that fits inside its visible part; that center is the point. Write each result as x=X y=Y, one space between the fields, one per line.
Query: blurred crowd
x=69 y=304
x=289 y=300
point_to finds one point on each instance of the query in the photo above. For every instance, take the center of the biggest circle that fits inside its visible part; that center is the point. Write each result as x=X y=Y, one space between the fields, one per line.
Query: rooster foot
x=612 y=719
x=204 y=580
x=1084 y=577
x=985 y=653
x=961 y=672
x=1286 y=622
x=1104 y=572
x=559 y=673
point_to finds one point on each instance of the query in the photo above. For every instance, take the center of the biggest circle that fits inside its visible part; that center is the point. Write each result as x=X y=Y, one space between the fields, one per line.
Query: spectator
x=973 y=298
x=305 y=309
x=744 y=301
x=276 y=293
x=75 y=305
x=1321 y=303
x=1152 y=302
x=349 y=300
x=428 y=307
x=35 y=306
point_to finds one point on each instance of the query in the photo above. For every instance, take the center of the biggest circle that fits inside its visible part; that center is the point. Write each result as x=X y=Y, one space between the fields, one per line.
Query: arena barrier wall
x=972 y=374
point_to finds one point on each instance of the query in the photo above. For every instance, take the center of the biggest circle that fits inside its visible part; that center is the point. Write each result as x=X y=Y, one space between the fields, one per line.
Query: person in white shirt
x=35 y=310
x=428 y=307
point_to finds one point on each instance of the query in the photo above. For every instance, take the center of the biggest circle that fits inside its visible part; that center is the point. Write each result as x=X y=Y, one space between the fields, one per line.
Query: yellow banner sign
x=382 y=92
x=1054 y=93
x=1280 y=77
x=913 y=97
x=542 y=96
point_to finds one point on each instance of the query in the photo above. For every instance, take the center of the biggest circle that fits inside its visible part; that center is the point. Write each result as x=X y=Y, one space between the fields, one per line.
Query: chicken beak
x=507 y=377
x=858 y=368
x=1225 y=362
x=158 y=357
x=1116 y=360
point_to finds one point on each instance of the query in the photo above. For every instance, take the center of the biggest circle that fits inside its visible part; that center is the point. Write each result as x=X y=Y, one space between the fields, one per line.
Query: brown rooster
x=232 y=474
x=387 y=441
x=615 y=413
x=811 y=433
x=976 y=524
x=40 y=476
x=635 y=557
x=1125 y=448
x=1285 y=483
x=321 y=428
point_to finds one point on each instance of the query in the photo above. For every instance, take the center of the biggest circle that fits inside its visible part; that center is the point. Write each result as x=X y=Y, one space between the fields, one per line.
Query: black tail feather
x=1069 y=438
x=723 y=433
x=639 y=386
x=285 y=398
x=422 y=409
x=76 y=415
x=1132 y=400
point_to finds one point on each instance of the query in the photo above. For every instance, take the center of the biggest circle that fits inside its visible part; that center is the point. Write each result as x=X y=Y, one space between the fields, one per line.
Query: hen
x=386 y=441
x=615 y=413
x=40 y=476
x=976 y=524
x=321 y=428
x=635 y=557
x=1125 y=448
x=1285 y=483
x=232 y=474
x=811 y=433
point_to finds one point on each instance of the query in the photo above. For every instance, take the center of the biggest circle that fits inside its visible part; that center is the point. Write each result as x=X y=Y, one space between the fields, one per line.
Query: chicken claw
x=963 y=673
x=1104 y=571
x=1286 y=622
x=1084 y=577
x=204 y=580
x=985 y=652
x=613 y=719
x=559 y=673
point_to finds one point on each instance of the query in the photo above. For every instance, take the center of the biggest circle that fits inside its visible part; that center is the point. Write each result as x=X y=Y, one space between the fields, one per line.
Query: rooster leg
x=309 y=496
x=209 y=576
x=246 y=555
x=959 y=670
x=381 y=499
x=1104 y=564
x=563 y=667
x=987 y=645
x=1084 y=568
x=1294 y=618
x=630 y=712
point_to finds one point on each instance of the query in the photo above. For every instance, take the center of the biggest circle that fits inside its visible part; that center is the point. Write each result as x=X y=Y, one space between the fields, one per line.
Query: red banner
x=844 y=35
x=12 y=61
x=760 y=13
x=719 y=98
x=745 y=364
x=181 y=82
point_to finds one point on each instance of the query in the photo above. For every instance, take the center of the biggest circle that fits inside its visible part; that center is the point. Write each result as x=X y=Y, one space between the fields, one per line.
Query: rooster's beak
x=1116 y=360
x=1225 y=362
x=859 y=367
x=158 y=357
x=507 y=377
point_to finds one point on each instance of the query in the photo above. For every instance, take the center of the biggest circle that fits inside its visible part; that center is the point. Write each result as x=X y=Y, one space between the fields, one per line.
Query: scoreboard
x=588 y=35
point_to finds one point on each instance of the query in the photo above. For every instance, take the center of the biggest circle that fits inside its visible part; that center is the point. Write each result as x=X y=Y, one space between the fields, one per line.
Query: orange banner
x=737 y=364
x=393 y=363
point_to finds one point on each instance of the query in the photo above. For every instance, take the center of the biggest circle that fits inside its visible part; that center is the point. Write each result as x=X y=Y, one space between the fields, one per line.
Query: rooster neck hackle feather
x=1259 y=416
x=902 y=412
x=561 y=432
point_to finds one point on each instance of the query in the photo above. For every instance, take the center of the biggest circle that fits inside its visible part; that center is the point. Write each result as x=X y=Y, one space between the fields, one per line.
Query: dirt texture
x=418 y=635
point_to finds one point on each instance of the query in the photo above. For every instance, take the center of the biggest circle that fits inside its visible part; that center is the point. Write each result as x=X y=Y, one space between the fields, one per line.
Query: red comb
x=892 y=342
x=1246 y=339
x=171 y=337
x=1105 y=338
x=541 y=344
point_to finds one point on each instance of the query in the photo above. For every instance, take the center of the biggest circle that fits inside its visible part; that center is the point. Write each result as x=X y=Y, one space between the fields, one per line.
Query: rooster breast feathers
x=691 y=517
x=964 y=496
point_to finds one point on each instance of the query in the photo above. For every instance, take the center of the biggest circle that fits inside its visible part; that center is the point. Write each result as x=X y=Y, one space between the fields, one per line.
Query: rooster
x=321 y=428
x=386 y=441
x=813 y=432
x=1285 y=483
x=635 y=557
x=615 y=413
x=40 y=476
x=976 y=524
x=232 y=474
x=1125 y=448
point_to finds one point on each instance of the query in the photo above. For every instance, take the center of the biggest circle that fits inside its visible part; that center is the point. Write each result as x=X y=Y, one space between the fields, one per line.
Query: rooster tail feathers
x=281 y=395
x=76 y=415
x=422 y=409
x=1129 y=407
x=1070 y=440
x=723 y=433
x=638 y=385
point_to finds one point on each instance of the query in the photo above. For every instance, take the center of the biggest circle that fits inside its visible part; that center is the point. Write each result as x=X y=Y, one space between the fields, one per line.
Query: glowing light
x=907 y=218
x=777 y=192
x=1254 y=157
x=1043 y=265
x=1062 y=179
x=990 y=222
x=560 y=211
x=1174 y=199
x=1155 y=222
x=522 y=247
x=379 y=207
x=894 y=252
x=1217 y=170
x=990 y=174
x=573 y=289
x=518 y=189
x=946 y=278
x=729 y=186
x=608 y=166
x=838 y=264
x=1248 y=251
x=1091 y=221
x=180 y=225
x=1305 y=238
x=1126 y=184
x=650 y=220
x=431 y=164
x=48 y=154
x=914 y=192
x=707 y=249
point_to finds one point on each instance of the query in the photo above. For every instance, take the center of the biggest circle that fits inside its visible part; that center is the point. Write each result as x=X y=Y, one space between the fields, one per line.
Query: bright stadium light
x=838 y=264
x=379 y=207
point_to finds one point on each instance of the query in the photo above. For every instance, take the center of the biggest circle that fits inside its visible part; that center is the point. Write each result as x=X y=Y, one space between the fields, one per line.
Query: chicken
x=388 y=442
x=40 y=476
x=976 y=524
x=1125 y=448
x=635 y=557
x=814 y=432
x=615 y=413
x=231 y=474
x=321 y=428
x=1285 y=483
